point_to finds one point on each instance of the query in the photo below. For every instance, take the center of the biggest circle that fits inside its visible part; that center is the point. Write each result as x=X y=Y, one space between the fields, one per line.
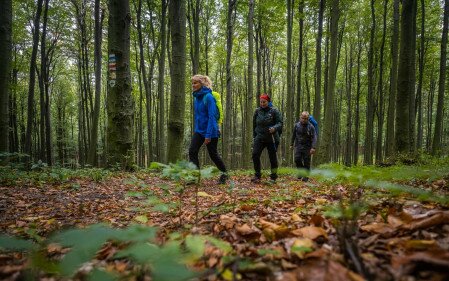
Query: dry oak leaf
x=227 y=222
x=247 y=231
x=320 y=270
x=436 y=219
x=280 y=231
x=380 y=228
x=301 y=247
x=311 y=232
x=436 y=258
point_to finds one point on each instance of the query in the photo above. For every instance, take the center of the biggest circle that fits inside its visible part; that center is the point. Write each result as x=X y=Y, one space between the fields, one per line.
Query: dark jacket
x=304 y=136
x=263 y=120
x=206 y=113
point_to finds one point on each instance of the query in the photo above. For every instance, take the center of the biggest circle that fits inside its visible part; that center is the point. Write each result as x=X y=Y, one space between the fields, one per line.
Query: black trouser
x=257 y=151
x=302 y=159
x=195 y=145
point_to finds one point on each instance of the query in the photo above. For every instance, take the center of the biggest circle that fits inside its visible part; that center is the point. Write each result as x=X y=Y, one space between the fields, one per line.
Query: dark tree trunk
x=177 y=14
x=419 y=94
x=317 y=103
x=120 y=103
x=5 y=63
x=436 y=147
x=30 y=118
x=92 y=155
x=405 y=89
x=249 y=96
x=299 y=94
x=290 y=109
x=390 y=142
x=324 y=153
x=369 y=129
x=355 y=157
x=228 y=113
x=380 y=91
x=161 y=137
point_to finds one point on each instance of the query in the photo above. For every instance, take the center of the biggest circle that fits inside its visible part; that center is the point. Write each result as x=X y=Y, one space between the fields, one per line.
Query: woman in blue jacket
x=206 y=124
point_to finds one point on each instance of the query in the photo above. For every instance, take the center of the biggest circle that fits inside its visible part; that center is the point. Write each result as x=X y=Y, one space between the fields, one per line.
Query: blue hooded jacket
x=205 y=113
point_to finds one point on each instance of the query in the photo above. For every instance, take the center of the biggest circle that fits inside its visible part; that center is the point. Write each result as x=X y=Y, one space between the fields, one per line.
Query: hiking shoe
x=255 y=179
x=305 y=179
x=273 y=177
x=223 y=178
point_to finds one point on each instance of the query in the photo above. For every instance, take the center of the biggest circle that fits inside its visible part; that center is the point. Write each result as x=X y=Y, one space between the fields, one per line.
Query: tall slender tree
x=390 y=142
x=161 y=137
x=317 y=103
x=32 y=81
x=92 y=158
x=228 y=112
x=177 y=15
x=324 y=153
x=290 y=108
x=249 y=96
x=405 y=73
x=120 y=103
x=369 y=129
x=5 y=63
x=436 y=146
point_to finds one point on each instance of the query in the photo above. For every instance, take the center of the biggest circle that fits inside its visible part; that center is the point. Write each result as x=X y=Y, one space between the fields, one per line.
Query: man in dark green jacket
x=267 y=125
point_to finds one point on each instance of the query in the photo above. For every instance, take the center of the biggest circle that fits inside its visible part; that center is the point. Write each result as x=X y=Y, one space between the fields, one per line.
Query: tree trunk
x=390 y=142
x=324 y=152
x=419 y=94
x=290 y=108
x=5 y=63
x=249 y=96
x=380 y=91
x=120 y=103
x=369 y=129
x=405 y=88
x=317 y=103
x=228 y=112
x=30 y=111
x=355 y=157
x=177 y=16
x=436 y=147
x=299 y=95
x=161 y=138
x=349 y=65
x=92 y=158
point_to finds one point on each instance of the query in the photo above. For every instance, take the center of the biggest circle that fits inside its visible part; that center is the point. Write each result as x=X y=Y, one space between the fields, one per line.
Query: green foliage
x=166 y=262
x=9 y=243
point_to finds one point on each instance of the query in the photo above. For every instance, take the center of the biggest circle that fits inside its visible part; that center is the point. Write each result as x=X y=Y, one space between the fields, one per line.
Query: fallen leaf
x=380 y=228
x=301 y=246
x=311 y=232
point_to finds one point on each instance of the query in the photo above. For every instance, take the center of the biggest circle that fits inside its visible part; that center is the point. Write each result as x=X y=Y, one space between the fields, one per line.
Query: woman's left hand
x=206 y=141
x=272 y=130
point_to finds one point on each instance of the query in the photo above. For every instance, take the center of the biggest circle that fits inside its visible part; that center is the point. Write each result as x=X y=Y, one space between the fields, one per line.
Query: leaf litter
x=277 y=231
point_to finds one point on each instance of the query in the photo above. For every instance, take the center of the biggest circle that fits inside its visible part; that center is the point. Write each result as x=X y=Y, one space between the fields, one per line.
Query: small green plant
x=168 y=261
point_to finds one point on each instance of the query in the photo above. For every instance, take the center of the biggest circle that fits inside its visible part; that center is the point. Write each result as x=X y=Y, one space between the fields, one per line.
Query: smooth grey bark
x=419 y=93
x=369 y=129
x=32 y=81
x=324 y=153
x=5 y=63
x=120 y=102
x=317 y=103
x=380 y=90
x=92 y=158
x=299 y=94
x=250 y=89
x=228 y=112
x=390 y=142
x=177 y=15
x=290 y=108
x=161 y=137
x=436 y=146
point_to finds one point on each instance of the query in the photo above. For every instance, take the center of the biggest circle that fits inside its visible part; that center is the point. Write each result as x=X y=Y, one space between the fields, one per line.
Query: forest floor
x=343 y=228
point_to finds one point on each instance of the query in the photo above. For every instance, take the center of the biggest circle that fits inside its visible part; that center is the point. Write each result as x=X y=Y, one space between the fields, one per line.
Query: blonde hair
x=203 y=79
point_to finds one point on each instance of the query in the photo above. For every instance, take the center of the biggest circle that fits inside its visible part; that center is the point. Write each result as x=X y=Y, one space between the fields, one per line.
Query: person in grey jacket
x=267 y=125
x=304 y=139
